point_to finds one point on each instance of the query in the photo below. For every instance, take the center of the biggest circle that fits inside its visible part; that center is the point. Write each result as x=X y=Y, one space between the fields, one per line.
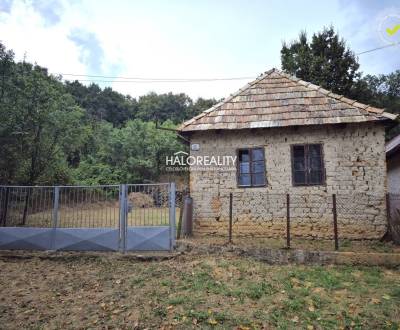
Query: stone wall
x=354 y=158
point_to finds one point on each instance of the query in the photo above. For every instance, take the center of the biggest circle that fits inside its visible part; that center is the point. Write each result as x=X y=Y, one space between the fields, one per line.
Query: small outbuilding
x=291 y=137
x=393 y=164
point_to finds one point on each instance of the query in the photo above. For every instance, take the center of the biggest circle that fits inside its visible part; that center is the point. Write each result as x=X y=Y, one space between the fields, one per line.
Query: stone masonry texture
x=355 y=165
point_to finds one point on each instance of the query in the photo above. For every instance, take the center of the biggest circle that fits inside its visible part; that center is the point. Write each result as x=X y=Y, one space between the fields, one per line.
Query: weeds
x=195 y=291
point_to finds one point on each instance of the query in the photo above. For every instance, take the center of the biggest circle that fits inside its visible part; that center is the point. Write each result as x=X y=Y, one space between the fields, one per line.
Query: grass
x=210 y=292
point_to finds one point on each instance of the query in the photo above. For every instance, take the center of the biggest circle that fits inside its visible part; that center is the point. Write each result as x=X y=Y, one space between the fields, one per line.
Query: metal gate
x=88 y=218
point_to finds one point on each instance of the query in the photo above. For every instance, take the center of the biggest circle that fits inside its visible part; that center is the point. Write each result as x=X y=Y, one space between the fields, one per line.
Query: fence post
x=55 y=215
x=188 y=216
x=388 y=215
x=230 y=216
x=335 y=229
x=288 y=221
x=389 y=232
x=181 y=210
x=172 y=230
x=122 y=217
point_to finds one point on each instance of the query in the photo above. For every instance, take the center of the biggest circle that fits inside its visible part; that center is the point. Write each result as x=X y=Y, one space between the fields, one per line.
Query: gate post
x=122 y=217
x=172 y=230
x=55 y=215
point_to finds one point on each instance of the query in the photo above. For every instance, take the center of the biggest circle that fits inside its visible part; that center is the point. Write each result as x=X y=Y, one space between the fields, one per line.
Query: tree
x=199 y=106
x=103 y=104
x=40 y=126
x=133 y=153
x=8 y=137
x=154 y=107
x=382 y=91
x=325 y=61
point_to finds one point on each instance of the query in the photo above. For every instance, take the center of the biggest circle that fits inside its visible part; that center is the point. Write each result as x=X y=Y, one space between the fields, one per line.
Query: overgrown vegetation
x=208 y=292
x=65 y=133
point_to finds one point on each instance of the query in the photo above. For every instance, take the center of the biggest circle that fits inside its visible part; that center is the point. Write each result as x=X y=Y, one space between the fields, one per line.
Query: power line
x=141 y=80
x=154 y=79
x=163 y=81
x=378 y=48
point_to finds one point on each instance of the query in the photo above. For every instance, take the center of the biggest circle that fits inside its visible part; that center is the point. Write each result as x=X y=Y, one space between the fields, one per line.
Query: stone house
x=289 y=137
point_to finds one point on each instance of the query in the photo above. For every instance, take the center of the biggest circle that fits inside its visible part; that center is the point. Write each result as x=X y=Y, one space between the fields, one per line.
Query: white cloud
x=132 y=45
x=170 y=39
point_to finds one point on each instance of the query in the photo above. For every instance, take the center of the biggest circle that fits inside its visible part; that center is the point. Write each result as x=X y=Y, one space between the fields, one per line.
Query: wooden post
x=181 y=208
x=389 y=232
x=230 y=217
x=388 y=208
x=335 y=229
x=188 y=220
x=288 y=221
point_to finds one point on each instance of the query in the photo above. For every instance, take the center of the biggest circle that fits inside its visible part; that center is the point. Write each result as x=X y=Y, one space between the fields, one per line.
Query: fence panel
x=148 y=217
x=26 y=206
x=89 y=207
x=87 y=217
x=26 y=218
x=292 y=218
x=147 y=205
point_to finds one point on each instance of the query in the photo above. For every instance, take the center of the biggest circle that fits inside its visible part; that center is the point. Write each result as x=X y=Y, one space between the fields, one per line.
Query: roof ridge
x=341 y=98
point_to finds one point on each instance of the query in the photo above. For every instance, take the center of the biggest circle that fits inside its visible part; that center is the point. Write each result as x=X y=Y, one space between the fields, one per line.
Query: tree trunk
x=25 y=215
x=5 y=207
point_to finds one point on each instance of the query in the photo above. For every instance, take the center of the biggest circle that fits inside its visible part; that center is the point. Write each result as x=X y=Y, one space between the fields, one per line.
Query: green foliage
x=104 y=104
x=41 y=125
x=57 y=133
x=133 y=153
x=177 y=108
x=325 y=61
x=382 y=91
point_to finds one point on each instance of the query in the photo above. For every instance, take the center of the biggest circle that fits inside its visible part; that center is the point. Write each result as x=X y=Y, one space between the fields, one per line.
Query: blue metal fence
x=103 y=218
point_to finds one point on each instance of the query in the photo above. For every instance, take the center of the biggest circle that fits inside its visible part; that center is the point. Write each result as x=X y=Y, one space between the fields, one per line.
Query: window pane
x=298 y=151
x=257 y=167
x=315 y=163
x=244 y=167
x=299 y=177
x=299 y=164
x=258 y=179
x=244 y=180
x=315 y=177
x=257 y=154
x=244 y=156
x=314 y=150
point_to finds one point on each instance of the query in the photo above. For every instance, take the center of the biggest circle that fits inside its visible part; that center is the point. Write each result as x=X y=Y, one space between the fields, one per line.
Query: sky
x=187 y=38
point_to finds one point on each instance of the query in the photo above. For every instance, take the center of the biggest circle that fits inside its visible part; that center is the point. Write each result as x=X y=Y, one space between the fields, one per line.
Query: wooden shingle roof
x=276 y=99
